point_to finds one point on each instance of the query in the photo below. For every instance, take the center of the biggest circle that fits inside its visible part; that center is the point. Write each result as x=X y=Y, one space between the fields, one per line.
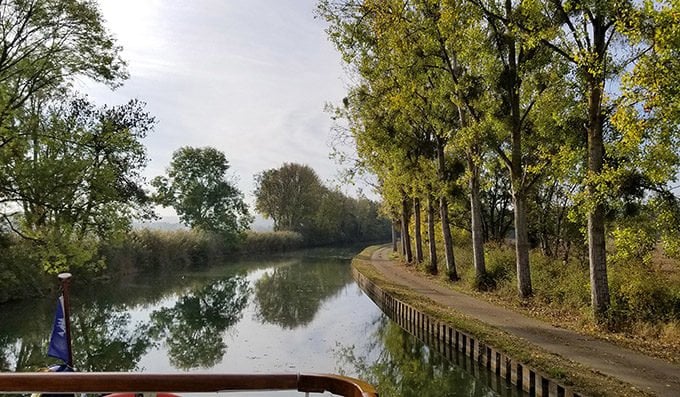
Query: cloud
x=249 y=78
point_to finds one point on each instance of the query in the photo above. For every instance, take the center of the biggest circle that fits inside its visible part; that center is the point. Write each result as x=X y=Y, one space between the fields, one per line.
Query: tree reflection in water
x=193 y=327
x=104 y=340
x=290 y=296
x=402 y=366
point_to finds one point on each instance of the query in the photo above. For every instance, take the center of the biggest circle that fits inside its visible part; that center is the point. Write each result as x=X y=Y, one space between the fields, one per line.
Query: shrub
x=559 y=284
x=270 y=242
x=500 y=264
x=641 y=294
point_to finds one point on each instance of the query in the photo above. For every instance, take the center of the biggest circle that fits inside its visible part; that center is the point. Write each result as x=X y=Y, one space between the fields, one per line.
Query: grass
x=560 y=369
x=645 y=312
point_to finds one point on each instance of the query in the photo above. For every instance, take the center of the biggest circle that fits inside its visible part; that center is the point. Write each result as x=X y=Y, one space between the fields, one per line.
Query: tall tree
x=290 y=195
x=197 y=188
x=602 y=41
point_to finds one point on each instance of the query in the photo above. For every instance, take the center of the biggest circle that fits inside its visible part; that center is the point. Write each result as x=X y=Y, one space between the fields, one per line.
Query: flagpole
x=65 y=278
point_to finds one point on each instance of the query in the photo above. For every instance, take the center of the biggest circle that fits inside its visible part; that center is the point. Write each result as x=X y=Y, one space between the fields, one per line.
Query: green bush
x=500 y=264
x=641 y=294
x=559 y=284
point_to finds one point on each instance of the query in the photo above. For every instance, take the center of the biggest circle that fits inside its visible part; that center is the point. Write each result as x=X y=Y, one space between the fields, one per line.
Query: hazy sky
x=248 y=77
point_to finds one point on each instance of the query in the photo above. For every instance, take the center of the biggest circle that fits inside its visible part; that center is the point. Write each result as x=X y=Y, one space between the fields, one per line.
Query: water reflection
x=402 y=366
x=193 y=327
x=276 y=315
x=105 y=340
x=290 y=296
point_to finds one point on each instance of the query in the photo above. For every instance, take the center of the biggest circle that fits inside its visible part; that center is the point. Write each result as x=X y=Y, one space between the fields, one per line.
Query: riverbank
x=591 y=366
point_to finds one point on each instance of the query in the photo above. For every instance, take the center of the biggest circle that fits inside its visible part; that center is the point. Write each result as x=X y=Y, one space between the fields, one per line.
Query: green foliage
x=290 y=195
x=196 y=187
x=294 y=197
x=523 y=89
x=634 y=242
x=640 y=294
x=562 y=286
x=76 y=172
x=20 y=275
x=48 y=43
x=500 y=264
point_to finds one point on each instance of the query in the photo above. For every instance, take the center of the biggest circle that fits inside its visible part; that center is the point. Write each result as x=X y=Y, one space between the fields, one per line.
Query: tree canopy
x=70 y=172
x=75 y=178
x=570 y=100
x=196 y=186
x=296 y=200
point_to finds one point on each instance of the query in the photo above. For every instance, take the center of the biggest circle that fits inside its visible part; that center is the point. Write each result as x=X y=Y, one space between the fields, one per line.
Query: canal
x=300 y=312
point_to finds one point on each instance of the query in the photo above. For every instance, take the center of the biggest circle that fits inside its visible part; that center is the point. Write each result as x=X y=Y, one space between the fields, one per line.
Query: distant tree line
x=296 y=200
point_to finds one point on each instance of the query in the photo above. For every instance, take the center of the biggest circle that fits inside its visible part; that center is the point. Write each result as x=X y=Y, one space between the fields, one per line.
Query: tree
x=614 y=42
x=45 y=44
x=289 y=195
x=404 y=107
x=196 y=187
x=294 y=197
x=76 y=177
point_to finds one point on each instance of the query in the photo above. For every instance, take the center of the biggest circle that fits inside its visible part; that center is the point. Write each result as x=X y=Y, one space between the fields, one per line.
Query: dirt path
x=644 y=372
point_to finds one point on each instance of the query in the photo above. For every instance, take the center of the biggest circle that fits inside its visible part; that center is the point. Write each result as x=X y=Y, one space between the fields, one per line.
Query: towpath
x=645 y=373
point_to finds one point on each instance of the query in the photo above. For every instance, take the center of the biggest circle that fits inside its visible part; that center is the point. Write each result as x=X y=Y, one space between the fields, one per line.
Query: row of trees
x=564 y=112
x=294 y=197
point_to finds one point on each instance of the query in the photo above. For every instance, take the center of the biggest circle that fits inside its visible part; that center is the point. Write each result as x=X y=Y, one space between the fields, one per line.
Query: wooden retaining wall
x=443 y=338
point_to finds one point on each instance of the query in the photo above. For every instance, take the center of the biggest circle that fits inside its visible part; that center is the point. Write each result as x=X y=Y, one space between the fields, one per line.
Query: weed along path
x=644 y=373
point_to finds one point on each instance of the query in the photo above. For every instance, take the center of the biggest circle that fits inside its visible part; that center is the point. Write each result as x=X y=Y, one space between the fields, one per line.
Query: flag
x=58 y=341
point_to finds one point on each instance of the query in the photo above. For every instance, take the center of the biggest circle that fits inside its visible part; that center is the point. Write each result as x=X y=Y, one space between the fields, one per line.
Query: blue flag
x=58 y=342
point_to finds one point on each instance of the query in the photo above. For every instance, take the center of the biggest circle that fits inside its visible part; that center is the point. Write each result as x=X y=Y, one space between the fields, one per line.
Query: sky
x=247 y=77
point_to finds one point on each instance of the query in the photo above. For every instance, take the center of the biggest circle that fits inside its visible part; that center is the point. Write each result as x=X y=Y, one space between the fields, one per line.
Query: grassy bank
x=645 y=313
x=140 y=251
x=146 y=250
x=565 y=371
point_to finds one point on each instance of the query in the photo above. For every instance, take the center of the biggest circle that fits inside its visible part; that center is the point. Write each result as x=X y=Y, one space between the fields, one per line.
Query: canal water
x=300 y=312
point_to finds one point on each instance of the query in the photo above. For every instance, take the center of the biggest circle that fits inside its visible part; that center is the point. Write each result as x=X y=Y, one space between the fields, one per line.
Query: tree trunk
x=405 y=235
x=444 y=214
x=448 y=240
x=416 y=230
x=599 y=286
x=476 y=214
x=517 y=180
x=522 y=246
x=430 y=235
x=394 y=236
